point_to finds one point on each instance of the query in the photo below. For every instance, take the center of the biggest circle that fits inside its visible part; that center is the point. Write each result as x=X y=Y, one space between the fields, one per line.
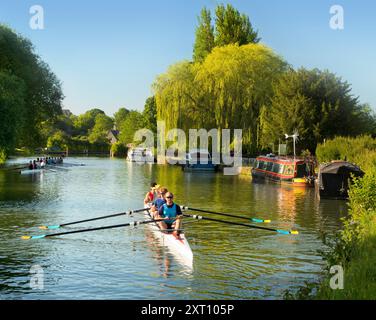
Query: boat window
x=301 y=170
x=269 y=166
x=260 y=165
x=281 y=168
x=289 y=170
x=276 y=167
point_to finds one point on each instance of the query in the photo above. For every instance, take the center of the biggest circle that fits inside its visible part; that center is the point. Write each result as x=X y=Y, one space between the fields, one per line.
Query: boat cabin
x=334 y=179
x=299 y=172
x=140 y=155
x=199 y=159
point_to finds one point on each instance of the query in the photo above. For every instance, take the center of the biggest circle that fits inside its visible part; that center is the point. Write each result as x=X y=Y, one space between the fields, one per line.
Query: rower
x=172 y=214
x=31 y=167
x=152 y=194
x=159 y=201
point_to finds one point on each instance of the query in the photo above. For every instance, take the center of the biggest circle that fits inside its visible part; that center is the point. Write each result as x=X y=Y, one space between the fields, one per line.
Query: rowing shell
x=33 y=171
x=180 y=248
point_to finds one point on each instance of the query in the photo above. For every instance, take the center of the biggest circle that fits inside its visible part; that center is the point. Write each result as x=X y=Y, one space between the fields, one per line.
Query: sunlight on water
x=230 y=262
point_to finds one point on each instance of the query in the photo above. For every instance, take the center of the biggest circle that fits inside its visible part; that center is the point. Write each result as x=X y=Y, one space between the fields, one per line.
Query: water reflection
x=229 y=261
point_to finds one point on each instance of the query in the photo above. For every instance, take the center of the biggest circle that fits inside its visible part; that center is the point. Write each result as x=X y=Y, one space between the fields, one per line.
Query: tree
x=232 y=27
x=120 y=116
x=227 y=90
x=103 y=124
x=150 y=114
x=42 y=90
x=204 y=42
x=12 y=104
x=133 y=122
x=316 y=103
x=85 y=122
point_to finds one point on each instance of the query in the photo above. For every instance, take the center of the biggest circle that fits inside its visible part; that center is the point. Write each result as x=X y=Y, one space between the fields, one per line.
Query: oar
x=294 y=232
x=255 y=220
x=130 y=224
x=92 y=219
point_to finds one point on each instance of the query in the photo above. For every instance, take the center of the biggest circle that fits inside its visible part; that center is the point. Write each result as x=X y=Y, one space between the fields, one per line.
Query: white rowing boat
x=33 y=171
x=180 y=248
x=47 y=167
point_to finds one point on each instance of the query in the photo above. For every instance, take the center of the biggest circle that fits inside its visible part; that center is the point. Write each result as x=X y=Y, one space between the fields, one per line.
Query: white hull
x=34 y=171
x=179 y=248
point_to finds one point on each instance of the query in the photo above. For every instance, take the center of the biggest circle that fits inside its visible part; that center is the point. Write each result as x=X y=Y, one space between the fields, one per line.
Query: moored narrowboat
x=293 y=171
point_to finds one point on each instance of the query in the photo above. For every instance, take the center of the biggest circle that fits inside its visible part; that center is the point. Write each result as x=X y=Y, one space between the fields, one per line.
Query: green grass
x=359 y=276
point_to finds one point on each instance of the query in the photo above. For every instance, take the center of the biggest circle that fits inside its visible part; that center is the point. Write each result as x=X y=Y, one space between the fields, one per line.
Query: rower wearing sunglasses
x=172 y=214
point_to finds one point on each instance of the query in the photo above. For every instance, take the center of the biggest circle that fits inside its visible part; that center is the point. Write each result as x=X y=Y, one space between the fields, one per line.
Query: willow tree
x=238 y=81
x=225 y=91
x=175 y=93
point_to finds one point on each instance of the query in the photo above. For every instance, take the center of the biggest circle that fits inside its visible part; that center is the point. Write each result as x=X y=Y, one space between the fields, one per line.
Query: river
x=230 y=262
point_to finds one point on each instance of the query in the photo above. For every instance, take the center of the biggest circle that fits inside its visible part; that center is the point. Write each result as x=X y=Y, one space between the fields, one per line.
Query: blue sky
x=108 y=53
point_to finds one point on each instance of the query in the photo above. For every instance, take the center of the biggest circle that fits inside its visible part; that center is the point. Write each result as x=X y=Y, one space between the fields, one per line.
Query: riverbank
x=354 y=248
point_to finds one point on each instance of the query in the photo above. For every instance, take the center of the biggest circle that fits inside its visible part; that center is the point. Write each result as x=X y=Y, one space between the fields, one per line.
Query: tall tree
x=133 y=122
x=98 y=134
x=227 y=90
x=150 y=114
x=85 y=122
x=12 y=104
x=204 y=42
x=316 y=103
x=232 y=27
x=42 y=89
x=120 y=116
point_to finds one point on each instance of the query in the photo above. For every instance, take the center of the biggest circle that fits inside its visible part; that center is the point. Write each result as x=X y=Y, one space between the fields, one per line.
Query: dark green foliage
x=316 y=103
x=204 y=43
x=41 y=89
x=150 y=114
x=12 y=104
x=120 y=116
x=232 y=27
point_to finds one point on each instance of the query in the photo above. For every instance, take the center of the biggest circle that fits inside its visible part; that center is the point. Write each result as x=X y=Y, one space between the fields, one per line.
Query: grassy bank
x=354 y=247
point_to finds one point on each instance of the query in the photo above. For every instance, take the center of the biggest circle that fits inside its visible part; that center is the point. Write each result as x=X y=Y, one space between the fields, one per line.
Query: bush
x=118 y=149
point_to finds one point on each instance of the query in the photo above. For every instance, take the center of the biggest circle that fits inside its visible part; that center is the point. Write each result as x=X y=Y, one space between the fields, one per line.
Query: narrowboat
x=335 y=178
x=199 y=160
x=293 y=171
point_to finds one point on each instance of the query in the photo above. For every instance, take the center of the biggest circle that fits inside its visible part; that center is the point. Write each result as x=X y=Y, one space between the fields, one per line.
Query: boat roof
x=337 y=167
x=280 y=159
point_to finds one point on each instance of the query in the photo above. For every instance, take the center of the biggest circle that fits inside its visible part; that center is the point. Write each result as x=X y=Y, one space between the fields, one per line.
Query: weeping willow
x=225 y=91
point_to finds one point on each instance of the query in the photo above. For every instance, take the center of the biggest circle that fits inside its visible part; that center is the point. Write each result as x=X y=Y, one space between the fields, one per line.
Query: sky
x=108 y=53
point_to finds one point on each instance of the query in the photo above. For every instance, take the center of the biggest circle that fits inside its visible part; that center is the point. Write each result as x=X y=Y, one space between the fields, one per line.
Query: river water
x=230 y=262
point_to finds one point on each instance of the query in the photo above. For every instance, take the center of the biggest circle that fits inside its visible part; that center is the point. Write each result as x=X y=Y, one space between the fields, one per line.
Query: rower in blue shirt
x=159 y=202
x=172 y=214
